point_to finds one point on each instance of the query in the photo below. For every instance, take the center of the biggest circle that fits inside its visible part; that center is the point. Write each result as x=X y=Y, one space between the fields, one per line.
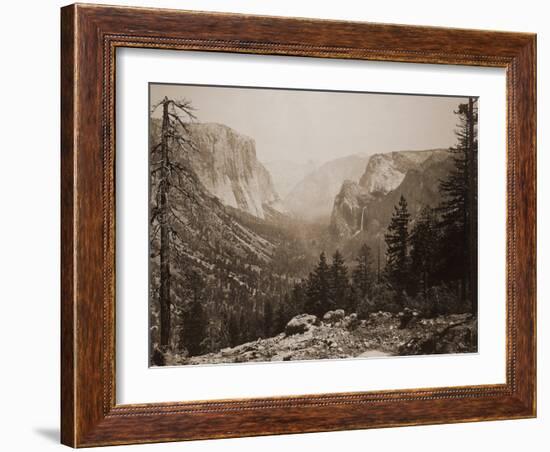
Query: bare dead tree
x=167 y=174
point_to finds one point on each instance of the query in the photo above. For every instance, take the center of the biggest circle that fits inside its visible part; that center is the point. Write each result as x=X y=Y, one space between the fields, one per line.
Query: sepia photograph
x=293 y=225
x=271 y=221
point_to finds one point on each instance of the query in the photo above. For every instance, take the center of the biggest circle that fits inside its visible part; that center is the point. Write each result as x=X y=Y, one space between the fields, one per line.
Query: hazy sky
x=322 y=125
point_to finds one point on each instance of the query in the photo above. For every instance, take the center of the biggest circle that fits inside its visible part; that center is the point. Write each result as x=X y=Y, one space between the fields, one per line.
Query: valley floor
x=383 y=334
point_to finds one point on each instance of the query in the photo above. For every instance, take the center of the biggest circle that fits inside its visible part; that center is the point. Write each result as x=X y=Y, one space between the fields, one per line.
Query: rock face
x=348 y=213
x=385 y=172
x=364 y=209
x=313 y=197
x=227 y=166
x=213 y=232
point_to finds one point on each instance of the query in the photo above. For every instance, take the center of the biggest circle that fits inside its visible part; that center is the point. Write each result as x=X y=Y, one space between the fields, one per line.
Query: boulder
x=458 y=337
x=335 y=316
x=425 y=345
x=300 y=324
x=351 y=321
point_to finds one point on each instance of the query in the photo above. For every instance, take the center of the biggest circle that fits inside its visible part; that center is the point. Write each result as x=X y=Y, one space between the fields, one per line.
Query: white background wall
x=29 y=251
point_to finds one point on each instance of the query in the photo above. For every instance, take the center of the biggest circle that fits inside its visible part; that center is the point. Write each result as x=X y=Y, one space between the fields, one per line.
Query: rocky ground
x=339 y=336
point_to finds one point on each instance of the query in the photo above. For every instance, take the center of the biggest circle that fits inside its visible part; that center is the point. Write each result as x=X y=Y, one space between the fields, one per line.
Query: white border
x=136 y=383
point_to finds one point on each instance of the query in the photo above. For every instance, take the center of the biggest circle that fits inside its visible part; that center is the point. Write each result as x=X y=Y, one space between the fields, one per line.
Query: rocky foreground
x=339 y=336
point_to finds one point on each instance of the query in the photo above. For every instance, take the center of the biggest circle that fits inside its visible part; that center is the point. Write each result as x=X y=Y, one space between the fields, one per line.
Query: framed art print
x=275 y=225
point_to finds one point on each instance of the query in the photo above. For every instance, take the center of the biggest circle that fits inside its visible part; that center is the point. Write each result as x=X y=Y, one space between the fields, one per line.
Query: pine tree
x=397 y=241
x=243 y=335
x=280 y=318
x=298 y=298
x=423 y=242
x=339 y=283
x=165 y=172
x=458 y=211
x=318 y=289
x=362 y=275
x=268 y=319
x=194 y=317
x=233 y=330
x=352 y=299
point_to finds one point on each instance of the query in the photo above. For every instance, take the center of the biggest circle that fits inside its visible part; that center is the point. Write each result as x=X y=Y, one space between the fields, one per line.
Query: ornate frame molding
x=90 y=37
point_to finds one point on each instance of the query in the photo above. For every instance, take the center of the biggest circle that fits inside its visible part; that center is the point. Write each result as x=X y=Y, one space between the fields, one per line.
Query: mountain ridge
x=385 y=171
x=363 y=209
x=226 y=163
x=287 y=174
x=313 y=197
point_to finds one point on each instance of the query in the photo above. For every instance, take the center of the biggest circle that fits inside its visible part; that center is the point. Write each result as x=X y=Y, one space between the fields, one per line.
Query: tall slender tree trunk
x=425 y=285
x=164 y=295
x=466 y=286
x=378 y=264
x=472 y=209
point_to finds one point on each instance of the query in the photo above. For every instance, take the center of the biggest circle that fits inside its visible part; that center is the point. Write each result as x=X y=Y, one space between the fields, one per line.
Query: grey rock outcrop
x=332 y=317
x=385 y=172
x=348 y=211
x=377 y=337
x=226 y=164
x=300 y=324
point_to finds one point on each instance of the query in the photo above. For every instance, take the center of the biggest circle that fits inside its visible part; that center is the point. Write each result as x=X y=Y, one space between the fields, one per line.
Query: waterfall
x=362 y=222
x=362 y=217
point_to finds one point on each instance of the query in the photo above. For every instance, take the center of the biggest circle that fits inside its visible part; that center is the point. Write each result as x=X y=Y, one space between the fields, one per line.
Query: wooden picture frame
x=89 y=37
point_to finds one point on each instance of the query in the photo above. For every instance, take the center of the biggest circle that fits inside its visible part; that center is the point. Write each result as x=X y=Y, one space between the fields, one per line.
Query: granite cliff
x=365 y=207
x=227 y=166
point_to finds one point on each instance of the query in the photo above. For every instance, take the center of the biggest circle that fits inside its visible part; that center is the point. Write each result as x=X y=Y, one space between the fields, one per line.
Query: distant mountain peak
x=313 y=197
x=286 y=174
